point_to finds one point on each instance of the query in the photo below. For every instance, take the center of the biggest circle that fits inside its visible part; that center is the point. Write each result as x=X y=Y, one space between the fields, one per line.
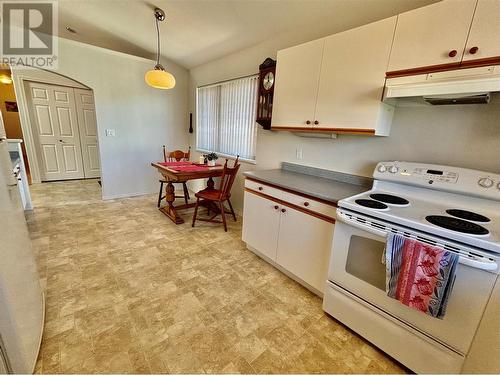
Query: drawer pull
x=452 y=53
x=306 y=204
x=276 y=207
x=261 y=188
x=283 y=210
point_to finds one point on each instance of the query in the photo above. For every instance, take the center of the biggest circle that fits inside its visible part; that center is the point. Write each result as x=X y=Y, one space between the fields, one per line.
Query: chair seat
x=211 y=195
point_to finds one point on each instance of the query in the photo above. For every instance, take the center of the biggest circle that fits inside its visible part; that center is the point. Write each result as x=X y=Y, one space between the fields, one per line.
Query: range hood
x=460 y=86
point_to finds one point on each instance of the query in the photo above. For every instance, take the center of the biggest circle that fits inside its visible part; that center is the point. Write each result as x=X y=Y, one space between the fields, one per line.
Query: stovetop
x=448 y=213
x=432 y=217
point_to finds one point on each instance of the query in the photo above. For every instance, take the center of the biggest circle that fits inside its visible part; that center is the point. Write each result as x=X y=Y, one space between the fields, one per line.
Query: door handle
x=486 y=265
x=61 y=141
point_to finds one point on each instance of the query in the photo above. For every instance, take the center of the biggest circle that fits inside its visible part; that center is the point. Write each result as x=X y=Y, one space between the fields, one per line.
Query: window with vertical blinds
x=226 y=118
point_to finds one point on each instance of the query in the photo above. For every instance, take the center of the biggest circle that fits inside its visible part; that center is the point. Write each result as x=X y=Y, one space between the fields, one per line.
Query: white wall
x=464 y=136
x=144 y=118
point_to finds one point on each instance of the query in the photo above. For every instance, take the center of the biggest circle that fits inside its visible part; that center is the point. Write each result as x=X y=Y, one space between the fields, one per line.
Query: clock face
x=268 y=80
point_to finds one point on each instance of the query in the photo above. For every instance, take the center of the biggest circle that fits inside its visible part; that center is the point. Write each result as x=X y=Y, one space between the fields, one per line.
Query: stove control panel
x=438 y=177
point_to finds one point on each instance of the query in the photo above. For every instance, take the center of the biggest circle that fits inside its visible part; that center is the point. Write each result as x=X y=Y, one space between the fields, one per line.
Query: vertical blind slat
x=226 y=117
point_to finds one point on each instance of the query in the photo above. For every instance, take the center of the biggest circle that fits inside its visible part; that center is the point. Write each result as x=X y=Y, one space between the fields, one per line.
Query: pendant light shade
x=158 y=77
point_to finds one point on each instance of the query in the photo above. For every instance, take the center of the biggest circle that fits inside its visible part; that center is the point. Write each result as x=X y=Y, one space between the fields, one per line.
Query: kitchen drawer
x=263 y=188
x=309 y=204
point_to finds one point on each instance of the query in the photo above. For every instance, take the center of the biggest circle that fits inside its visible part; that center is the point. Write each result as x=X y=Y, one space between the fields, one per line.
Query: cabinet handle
x=316 y=122
x=261 y=188
x=276 y=207
x=283 y=210
x=306 y=204
x=452 y=53
x=473 y=50
x=308 y=122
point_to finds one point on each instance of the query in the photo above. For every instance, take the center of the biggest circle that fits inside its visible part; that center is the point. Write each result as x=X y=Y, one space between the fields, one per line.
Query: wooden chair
x=217 y=197
x=176 y=155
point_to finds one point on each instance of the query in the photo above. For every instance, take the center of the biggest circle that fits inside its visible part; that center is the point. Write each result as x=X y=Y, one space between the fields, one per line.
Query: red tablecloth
x=187 y=166
x=175 y=163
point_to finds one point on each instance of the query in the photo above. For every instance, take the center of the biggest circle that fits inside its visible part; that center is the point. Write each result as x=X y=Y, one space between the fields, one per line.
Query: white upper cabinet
x=484 y=36
x=297 y=78
x=432 y=35
x=353 y=77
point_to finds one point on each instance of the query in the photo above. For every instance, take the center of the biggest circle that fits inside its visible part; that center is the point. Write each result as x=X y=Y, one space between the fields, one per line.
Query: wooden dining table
x=179 y=172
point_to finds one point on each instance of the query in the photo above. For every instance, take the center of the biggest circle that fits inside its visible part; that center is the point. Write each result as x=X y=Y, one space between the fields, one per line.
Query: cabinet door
x=353 y=76
x=297 y=78
x=426 y=36
x=261 y=222
x=485 y=31
x=304 y=246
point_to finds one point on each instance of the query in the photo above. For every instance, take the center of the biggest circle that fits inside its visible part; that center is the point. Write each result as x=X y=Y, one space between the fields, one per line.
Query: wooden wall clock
x=267 y=72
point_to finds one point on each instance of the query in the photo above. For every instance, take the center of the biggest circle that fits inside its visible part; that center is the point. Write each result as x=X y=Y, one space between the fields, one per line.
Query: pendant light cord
x=158 y=42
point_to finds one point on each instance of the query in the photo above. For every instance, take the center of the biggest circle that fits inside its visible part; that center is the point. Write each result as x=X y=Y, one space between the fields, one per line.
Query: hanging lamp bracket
x=159 y=14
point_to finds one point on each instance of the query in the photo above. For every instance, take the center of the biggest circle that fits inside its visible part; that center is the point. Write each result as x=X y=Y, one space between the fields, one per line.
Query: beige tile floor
x=127 y=291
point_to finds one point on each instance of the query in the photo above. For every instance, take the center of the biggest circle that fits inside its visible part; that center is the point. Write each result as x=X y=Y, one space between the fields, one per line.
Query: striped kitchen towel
x=419 y=275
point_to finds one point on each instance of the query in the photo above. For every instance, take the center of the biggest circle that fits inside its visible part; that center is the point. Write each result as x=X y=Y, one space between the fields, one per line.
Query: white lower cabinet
x=298 y=242
x=261 y=222
x=304 y=246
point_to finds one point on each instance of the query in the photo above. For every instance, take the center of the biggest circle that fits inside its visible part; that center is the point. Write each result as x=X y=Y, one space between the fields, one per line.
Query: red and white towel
x=419 y=275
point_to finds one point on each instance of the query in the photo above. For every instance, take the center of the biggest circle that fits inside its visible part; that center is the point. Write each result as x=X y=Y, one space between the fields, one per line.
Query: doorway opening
x=10 y=113
x=64 y=127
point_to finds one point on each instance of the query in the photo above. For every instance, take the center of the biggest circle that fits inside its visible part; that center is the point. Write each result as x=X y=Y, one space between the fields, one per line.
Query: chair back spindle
x=177 y=155
x=228 y=177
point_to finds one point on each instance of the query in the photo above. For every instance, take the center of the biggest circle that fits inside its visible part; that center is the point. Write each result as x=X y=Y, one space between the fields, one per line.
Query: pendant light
x=158 y=77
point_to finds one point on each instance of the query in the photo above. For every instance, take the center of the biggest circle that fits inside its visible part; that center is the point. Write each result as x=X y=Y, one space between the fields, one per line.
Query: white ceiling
x=198 y=31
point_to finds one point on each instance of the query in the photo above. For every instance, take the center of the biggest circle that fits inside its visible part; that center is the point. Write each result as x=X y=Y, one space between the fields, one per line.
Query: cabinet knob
x=261 y=188
x=283 y=210
x=308 y=122
x=306 y=204
x=316 y=122
x=473 y=50
x=452 y=53
x=276 y=207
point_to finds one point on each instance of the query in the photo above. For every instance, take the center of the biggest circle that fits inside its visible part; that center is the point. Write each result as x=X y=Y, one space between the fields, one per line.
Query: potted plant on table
x=211 y=159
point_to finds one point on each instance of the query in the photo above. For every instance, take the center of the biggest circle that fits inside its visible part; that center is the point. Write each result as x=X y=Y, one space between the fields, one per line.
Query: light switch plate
x=110 y=132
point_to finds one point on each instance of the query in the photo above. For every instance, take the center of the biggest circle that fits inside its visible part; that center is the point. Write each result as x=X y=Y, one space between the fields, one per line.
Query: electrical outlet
x=110 y=132
x=299 y=153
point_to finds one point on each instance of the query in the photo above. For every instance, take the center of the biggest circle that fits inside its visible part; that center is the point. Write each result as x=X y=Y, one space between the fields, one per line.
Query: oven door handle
x=372 y=230
x=486 y=265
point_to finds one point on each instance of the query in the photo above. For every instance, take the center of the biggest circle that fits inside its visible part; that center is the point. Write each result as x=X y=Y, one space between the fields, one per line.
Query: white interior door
x=56 y=131
x=87 y=124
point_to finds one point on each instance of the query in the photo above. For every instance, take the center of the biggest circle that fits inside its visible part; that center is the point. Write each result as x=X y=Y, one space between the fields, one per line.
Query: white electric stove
x=454 y=203
x=455 y=208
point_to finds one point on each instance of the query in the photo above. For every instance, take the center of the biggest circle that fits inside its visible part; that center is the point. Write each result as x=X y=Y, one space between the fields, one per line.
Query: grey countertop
x=327 y=185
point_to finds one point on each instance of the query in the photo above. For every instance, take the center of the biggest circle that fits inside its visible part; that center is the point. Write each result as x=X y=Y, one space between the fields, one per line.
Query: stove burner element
x=467 y=215
x=457 y=225
x=370 y=203
x=390 y=199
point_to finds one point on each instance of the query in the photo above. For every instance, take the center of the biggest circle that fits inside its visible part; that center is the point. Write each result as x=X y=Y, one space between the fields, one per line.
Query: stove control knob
x=393 y=169
x=382 y=168
x=486 y=182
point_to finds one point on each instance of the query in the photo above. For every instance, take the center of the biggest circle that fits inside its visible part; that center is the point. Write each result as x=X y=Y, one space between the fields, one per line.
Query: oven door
x=356 y=265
